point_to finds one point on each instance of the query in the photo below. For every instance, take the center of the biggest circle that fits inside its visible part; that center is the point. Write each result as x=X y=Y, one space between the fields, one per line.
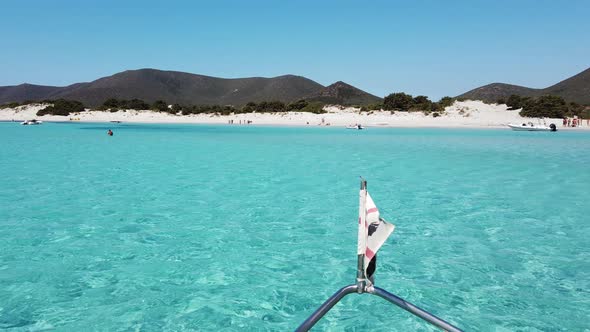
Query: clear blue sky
x=434 y=48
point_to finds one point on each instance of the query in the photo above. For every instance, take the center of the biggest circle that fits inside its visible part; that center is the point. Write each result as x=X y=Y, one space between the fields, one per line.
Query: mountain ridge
x=573 y=89
x=343 y=93
x=180 y=87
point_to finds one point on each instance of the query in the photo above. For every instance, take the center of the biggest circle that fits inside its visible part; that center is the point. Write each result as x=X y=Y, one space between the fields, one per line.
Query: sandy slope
x=470 y=114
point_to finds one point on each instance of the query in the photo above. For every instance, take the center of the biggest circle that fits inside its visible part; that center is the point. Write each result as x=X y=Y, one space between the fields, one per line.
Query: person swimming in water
x=110 y=132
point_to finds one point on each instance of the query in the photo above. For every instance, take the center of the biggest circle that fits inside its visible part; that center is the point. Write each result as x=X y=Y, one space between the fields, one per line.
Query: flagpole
x=360 y=269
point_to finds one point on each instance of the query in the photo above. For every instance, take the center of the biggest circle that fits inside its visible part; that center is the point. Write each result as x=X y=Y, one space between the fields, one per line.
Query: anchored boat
x=356 y=126
x=532 y=127
x=372 y=233
x=31 y=122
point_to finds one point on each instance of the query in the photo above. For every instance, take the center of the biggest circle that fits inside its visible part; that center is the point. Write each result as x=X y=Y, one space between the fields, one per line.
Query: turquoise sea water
x=219 y=228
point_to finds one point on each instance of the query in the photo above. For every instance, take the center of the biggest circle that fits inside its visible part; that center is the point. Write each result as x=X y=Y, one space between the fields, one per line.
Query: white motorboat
x=356 y=126
x=31 y=122
x=532 y=127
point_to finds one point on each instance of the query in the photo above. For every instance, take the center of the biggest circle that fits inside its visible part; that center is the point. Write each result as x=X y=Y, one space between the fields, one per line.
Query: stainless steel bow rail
x=365 y=285
x=398 y=301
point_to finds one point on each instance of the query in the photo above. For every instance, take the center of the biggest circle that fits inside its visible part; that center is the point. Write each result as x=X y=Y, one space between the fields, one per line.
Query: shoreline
x=467 y=115
x=288 y=125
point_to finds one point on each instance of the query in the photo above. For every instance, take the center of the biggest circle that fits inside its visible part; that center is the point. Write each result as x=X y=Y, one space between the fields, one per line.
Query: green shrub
x=398 y=101
x=62 y=107
x=137 y=104
x=10 y=105
x=133 y=104
x=406 y=103
x=314 y=107
x=111 y=103
x=515 y=102
x=297 y=105
x=436 y=107
x=446 y=102
x=160 y=106
x=375 y=107
x=545 y=106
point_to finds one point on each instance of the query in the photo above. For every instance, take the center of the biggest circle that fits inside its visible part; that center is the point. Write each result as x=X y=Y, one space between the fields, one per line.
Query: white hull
x=31 y=123
x=528 y=128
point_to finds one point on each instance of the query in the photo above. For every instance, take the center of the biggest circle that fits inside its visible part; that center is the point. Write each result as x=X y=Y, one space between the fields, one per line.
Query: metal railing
x=398 y=301
x=364 y=284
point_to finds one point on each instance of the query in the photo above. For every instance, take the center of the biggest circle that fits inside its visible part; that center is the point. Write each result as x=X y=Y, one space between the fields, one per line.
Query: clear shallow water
x=178 y=227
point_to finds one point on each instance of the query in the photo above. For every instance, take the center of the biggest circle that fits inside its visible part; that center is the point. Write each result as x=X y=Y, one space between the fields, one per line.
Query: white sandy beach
x=467 y=114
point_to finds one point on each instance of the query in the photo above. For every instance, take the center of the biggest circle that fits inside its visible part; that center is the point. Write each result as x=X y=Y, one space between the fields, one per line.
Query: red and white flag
x=373 y=231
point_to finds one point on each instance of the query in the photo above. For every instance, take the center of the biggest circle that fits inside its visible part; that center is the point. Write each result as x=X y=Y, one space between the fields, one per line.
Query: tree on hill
x=398 y=102
x=297 y=105
x=114 y=104
x=249 y=107
x=375 y=107
x=421 y=100
x=137 y=104
x=264 y=107
x=314 y=107
x=176 y=108
x=422 y=103
x=10 y=105
x=446 y=101
x=401 y=101
x=277 y=106
x=62 y=107
x=160 y=105
x=515 y=102
x=207 y=109
x=436 y=108
x=111 y=103
x=576 y=109
x=545 y=106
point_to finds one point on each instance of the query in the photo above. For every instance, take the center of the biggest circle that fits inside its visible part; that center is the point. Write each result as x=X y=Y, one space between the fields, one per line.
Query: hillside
x=25 y=92
x=574 y=89
x=185 y=88
x=493 y=92
x=341 y=93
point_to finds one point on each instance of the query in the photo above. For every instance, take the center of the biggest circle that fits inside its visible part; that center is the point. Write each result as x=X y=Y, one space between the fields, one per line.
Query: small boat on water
x=532 y=127
x=31 y=122
x=356 y=126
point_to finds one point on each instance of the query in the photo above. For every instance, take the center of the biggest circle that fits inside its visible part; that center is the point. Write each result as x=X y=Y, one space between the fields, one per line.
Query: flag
x=373 y=231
